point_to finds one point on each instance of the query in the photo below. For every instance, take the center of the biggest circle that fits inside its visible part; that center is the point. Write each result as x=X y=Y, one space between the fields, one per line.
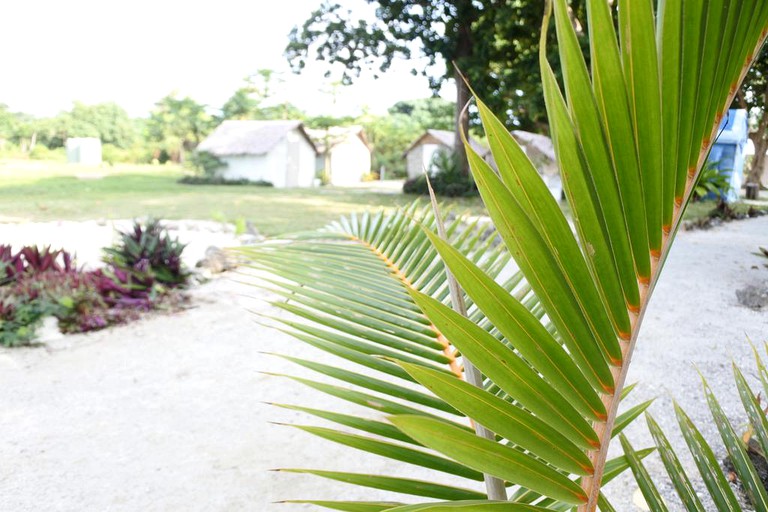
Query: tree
x=435 y=113
x=536 y=365
x=753 y=96
x=494 y=44
x=51 y=132
x=390 y=135
x=107 y=121
x=9 y=123
x=241 y=105
x=255 y=100
x=177 y=125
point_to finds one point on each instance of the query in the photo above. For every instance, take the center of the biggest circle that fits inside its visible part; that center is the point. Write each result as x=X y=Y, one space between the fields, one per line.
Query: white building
x=83 y=150
x=278 y=152
x=539 y=149
x=420 y=155
x=343 y=152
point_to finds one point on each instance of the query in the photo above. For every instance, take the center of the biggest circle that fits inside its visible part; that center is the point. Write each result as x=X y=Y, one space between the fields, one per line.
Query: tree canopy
x=493 y=42
x=256 y=100
x=435 y=113
x=177 y=125
x=107 y=121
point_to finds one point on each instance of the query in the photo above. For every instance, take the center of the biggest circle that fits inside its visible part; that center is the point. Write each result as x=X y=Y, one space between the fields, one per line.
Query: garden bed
x=140 y=268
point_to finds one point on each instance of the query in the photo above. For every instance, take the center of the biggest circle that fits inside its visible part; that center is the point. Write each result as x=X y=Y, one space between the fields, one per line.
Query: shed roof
x=446 y=138
x=536 y=141
x=249 y=137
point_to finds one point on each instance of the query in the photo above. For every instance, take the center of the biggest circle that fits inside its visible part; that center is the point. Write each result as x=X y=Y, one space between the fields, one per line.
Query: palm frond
x=631 y=135
x=347 y=291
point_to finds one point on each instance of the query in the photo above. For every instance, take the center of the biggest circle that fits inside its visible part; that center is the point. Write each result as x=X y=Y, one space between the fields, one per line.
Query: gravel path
x=168 y=413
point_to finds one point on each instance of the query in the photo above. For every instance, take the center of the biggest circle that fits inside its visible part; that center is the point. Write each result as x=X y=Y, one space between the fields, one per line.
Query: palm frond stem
x=494 y=485
x=448 y=350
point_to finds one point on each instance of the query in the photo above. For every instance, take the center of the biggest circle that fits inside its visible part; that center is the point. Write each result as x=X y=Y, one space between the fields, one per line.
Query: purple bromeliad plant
x=138 y=274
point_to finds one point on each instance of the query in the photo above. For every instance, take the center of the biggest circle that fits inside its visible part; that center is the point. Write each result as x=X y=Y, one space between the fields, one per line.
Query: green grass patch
x=46 y=191
x=700 y=210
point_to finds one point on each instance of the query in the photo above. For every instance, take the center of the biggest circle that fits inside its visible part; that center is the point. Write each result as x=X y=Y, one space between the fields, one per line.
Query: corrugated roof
x=248 y=137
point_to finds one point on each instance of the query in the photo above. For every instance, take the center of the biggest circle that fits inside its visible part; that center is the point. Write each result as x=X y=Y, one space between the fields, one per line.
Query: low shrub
x=713 y=182
x=218 y=180
x=145 y=254
x=40 y=152
x=206 y=164
x=465 y=188
x=11 y=150
x=32 y=260
x=73 y=297
x=446 y=177
x=111 y=154
x=19 y=319
x=417 y=185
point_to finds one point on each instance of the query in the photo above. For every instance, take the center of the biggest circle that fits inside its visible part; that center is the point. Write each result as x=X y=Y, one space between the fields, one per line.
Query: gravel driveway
x=169 y=413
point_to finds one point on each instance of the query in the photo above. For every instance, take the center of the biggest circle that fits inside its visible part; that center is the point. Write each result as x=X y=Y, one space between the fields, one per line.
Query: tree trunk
x=463 y=50
x=462 y=122
x=757 y=171
x=760 y=139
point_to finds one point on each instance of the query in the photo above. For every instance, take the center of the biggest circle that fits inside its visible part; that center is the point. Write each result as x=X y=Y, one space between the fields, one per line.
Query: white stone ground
x=169 y=413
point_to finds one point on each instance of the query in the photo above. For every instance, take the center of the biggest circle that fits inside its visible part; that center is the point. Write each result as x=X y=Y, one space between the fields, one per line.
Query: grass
x=702 y=209
x=48 y=191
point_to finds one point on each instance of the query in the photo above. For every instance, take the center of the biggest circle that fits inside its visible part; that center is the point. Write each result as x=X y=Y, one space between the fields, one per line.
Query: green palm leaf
x=552 y=343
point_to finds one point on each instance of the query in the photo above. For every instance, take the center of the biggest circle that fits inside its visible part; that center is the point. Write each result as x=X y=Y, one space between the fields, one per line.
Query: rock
x=217 y=260
x=251 y=229
x=248 y=239
x=753 y=296
x=49 y=330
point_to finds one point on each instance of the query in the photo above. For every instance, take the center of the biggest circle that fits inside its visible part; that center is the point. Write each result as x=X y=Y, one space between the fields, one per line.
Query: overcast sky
x=57 y=51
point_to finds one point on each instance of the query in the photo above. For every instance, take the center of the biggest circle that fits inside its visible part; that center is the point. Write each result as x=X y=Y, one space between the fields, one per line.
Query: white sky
x=53 y=52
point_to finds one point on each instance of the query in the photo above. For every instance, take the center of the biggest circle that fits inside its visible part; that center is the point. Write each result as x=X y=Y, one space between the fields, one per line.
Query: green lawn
x=44 y=191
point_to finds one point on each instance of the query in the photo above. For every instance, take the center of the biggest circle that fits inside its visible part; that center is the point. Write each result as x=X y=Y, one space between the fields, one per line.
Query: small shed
x=727 y=152
x=278 y=152
x=539 y=149
x=343 y=152
x=420 y=155
x=83 y=150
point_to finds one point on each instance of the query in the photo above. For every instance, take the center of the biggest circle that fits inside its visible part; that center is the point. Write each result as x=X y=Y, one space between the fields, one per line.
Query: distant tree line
x=176 y=125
